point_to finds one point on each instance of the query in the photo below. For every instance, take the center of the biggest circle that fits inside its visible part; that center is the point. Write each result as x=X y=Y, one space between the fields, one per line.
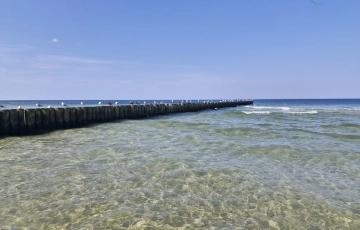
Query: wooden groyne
x=32 y=121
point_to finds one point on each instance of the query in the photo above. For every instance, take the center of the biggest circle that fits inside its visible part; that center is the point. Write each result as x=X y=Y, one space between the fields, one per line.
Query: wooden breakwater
x=32 y=121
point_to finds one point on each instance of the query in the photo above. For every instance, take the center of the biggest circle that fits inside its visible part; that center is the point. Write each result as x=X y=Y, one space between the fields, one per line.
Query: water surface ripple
x=222 y=169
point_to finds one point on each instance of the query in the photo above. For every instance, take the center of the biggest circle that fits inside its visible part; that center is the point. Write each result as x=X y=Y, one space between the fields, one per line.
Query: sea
x=277 y=164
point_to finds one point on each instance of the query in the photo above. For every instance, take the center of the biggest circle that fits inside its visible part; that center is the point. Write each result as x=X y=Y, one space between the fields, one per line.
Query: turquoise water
x=280 y=164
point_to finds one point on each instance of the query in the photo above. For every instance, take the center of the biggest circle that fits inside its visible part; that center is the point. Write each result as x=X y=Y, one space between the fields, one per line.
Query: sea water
x=279 y=164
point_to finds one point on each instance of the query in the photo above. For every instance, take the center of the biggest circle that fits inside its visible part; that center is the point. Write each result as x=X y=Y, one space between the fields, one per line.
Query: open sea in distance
x=279 y=164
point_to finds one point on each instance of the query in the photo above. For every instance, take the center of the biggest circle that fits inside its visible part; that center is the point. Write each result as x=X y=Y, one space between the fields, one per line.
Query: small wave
x=269 y=107
x=352 y=109
x=284 y=108
x=343 y=109
x=328 y=109
x=342 y=125
x=256 y=112
x=344 y=136
x=303 y=112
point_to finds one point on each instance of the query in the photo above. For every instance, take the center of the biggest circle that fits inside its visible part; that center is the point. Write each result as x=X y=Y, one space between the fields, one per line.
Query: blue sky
x=139 y=49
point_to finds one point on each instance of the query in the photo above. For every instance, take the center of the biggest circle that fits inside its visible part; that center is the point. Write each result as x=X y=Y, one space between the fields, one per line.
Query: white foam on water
x=269 y=107
x=256 y=112
x=303 y=112
x=332 y=109
x=351 y=109
x=284 y=108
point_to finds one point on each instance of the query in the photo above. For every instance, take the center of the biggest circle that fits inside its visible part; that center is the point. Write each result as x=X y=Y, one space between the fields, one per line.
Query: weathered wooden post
x=30 y=120
x=101 y=114
x=113 y=112
x=126 y=111
x=91 y=114
x=121 y=112
x=161 y=109
x=1 y=123
x=161 y=112
x=117 y=112
x=52 y=118
x=104 y=113
x=59 y=118
x=110 y=110
x=96 y=114
x=152 y=109
x=125 y=108
x=110 y=113
x=143 y=112
x=21 y=122
x=131 y=112
x=72 y=117
x=148 y=110
x=211 y=105
x=138 y=111
x=155 y=110
x=14 y=120
x=45 y=118
x=79 y=117
x=67 y=121
x=85 y=118
x=38 y=125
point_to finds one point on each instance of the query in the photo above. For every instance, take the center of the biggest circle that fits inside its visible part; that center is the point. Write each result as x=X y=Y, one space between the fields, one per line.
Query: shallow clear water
x=280 y=164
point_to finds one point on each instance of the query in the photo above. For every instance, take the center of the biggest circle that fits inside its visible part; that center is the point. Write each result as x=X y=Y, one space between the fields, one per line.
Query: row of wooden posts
x=32 y=121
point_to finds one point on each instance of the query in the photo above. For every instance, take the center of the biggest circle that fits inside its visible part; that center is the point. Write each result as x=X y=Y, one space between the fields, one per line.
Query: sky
x=181 y=49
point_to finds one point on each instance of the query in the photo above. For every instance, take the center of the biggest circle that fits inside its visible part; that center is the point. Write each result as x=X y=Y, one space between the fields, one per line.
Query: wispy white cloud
x=71 y=59
x=23 y=65
x=54 y=40
x=15 y=48
x=22 y=62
